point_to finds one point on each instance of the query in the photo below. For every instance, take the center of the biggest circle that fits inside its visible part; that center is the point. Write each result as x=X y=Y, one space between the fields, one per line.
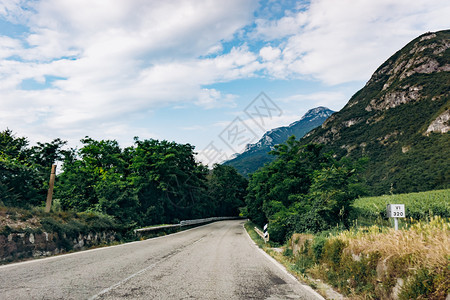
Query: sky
x=214 y=74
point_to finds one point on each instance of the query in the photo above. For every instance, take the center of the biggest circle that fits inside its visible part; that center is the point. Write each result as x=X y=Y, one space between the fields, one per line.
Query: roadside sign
x=396 y=211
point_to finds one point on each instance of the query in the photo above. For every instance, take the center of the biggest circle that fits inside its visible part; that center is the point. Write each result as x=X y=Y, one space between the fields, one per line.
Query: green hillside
x=399 y=120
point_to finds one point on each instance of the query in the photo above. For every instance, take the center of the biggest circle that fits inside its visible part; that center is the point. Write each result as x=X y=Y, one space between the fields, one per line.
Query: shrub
x=332 y=251
x=317 y=247
x=427 y=284
x=287 y=252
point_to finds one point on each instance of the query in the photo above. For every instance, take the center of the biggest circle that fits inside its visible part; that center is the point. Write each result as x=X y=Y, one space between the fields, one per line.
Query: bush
x=317 y=247
x=333 y=251
x=425 y=285
x=303 y=190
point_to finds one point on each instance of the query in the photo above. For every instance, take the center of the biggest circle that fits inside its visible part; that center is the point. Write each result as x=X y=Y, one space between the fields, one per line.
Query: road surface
x=215 y=261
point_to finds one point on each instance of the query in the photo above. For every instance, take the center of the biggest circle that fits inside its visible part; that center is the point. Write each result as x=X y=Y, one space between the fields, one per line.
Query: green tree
x=93 y=174
x=151 y=182
x=170 y=184
x=24 y=171
x=303 y=189
x=227 y=190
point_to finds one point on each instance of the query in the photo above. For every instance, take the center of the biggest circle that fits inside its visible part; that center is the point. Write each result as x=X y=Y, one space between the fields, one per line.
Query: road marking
x=283 y=269
x=142 y=271
x=124 y=280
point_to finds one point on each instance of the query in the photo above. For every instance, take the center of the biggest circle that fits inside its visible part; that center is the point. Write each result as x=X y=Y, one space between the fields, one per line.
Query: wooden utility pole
x=51 y=184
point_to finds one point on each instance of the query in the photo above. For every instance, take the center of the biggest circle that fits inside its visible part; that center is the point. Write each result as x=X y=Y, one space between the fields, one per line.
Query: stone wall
x=17 y=246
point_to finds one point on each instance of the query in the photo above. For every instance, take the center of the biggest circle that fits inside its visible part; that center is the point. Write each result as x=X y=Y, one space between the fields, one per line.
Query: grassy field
x=419 y=206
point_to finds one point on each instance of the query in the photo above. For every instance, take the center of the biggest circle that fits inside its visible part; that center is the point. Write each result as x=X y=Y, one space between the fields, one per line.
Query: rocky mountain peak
x=424 y=55
x=314 y=113
x=280 y=134
x=255 y=155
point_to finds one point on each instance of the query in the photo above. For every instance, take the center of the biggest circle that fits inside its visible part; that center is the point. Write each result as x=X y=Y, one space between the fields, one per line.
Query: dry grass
x=18 y=219
x=380 y=263
x=426 y=243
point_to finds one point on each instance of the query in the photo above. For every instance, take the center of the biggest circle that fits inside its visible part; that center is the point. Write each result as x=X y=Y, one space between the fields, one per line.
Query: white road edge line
x=283 y=269
x=37 y=260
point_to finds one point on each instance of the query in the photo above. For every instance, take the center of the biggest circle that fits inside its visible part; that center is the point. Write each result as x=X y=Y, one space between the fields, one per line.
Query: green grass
x=418 y=206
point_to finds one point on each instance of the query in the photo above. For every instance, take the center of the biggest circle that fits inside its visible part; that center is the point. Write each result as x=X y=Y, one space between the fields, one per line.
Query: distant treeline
x=148 y=183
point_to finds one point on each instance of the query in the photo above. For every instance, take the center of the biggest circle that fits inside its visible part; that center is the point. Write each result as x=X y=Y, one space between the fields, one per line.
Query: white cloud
x=280 y=28
x=269 y=53
x=212 y=98
x=334 y=100
x=115 y=59
x=342 y=41
x=8 y=46
x=15 y=11
x=215 y=49
x=138 y=29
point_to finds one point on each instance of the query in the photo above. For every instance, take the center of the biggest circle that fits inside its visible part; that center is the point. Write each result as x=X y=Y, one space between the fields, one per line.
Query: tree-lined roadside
x=151 y=182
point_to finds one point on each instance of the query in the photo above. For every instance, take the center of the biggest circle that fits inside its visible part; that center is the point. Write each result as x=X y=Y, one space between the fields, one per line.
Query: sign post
x=48 y=204
x=395 y=211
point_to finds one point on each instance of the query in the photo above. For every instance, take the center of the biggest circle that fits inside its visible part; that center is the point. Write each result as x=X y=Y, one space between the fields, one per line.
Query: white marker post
x=266 y=233
x=395 y=211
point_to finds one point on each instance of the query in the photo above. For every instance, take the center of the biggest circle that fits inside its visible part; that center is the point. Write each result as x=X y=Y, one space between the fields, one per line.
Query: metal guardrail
x=260 y=233
x=264 y=235
x=207 y=220
x=153 y=228
x=185 y=223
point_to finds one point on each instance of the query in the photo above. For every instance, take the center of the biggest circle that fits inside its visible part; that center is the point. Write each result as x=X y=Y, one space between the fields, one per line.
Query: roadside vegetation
x=373 y=261
x=55 y=232
x=151 y=182
x=305 y=189
x=316 y=210
x=313 y=202
x=378 y=262
x=70 y=223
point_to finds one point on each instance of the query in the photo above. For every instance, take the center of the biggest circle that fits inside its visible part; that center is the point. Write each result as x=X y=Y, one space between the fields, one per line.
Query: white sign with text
x=396 y=210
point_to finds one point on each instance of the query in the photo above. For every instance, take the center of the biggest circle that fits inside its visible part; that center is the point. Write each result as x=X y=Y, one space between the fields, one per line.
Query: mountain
x=400 y=120
x=256 y=155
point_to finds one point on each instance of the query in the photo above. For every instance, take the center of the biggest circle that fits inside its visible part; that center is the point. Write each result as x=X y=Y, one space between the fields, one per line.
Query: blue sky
x=189 y=71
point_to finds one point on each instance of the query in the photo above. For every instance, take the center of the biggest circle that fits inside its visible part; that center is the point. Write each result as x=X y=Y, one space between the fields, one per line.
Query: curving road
x=215 y=261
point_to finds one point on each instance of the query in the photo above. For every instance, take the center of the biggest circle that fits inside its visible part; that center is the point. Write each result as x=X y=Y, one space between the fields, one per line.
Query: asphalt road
x=215 y=261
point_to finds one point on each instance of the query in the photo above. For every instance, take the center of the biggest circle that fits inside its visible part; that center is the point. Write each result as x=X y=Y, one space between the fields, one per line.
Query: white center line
x=139 y=272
